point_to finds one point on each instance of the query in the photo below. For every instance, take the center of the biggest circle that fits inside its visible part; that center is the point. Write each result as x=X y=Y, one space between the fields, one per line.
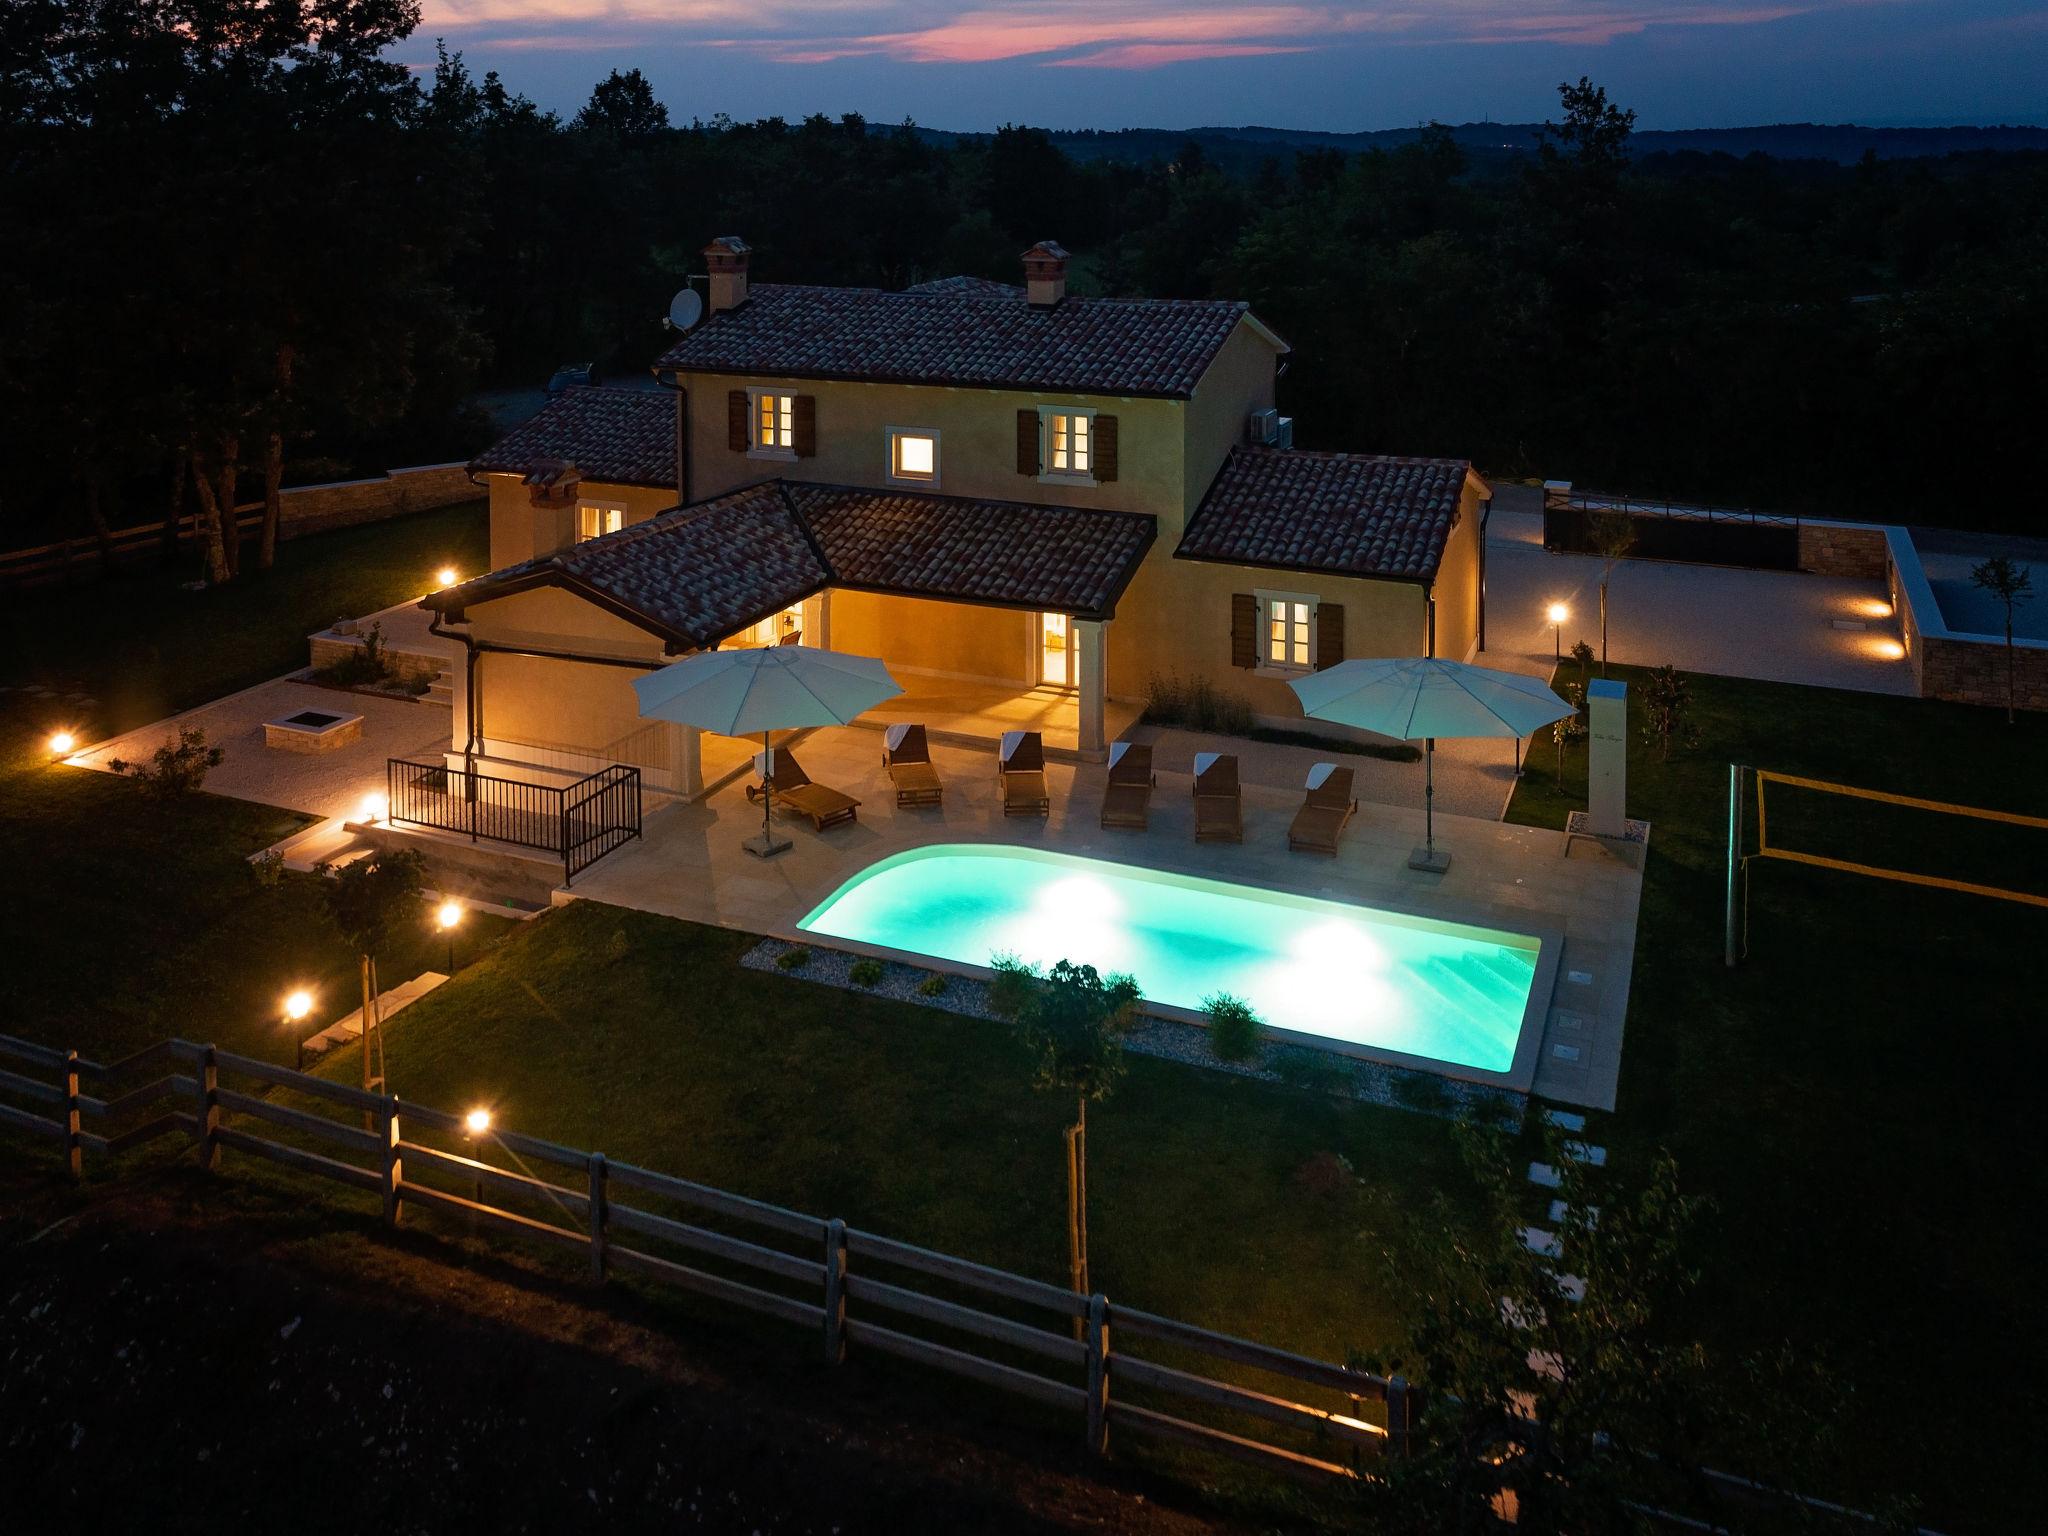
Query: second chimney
x=726 y=260
x=1045 y=274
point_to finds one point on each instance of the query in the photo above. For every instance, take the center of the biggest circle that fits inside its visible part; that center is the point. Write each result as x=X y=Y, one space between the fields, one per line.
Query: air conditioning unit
x=1283 y=433
x=1262 y=427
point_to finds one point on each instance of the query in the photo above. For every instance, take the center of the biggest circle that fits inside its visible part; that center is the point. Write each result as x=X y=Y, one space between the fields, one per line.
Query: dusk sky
x=1187 y=63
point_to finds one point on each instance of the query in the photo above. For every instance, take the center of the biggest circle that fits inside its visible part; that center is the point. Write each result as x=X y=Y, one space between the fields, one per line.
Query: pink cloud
x=1153 y=55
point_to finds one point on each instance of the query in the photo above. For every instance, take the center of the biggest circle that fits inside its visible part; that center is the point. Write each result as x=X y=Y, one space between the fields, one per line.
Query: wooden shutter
x=1027 y=442
x=803 y=425
x=1244 y=630
x=1329 y=635
x=1105 y=448
x=739 y=422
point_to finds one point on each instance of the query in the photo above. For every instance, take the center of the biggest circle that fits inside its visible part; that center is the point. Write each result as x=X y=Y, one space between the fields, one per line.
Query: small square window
x=594 y=520
x=774 y=422
x=1288 y=641
x=914 y=455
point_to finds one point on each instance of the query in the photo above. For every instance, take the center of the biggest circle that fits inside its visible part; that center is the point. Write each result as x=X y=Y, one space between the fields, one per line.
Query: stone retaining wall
x=316 y=508
x=1840 y=549
x=1973 y=671
x=406 y=666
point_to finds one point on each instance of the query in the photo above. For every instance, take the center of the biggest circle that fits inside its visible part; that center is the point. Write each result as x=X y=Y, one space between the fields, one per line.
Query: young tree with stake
x=2012 y=584
x=372 y=902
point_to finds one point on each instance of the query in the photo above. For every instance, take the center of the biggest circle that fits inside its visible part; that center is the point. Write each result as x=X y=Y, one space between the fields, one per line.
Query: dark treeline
x=243 y=246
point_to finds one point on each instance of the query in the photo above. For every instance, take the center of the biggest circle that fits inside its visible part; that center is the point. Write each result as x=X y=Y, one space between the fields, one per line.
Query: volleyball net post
x=1729 y=954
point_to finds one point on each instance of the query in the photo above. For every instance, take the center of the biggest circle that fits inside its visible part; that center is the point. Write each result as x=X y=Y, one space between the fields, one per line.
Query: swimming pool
x=1416 y=988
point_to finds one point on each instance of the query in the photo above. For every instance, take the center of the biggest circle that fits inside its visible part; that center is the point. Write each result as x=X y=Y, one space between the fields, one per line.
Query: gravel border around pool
x=1302 y=1066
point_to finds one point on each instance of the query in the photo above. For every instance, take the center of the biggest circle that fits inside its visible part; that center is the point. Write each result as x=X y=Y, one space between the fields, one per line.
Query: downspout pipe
x=666 y=378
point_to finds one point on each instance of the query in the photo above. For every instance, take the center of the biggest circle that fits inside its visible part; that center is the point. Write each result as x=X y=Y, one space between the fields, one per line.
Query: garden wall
x=1843 y=549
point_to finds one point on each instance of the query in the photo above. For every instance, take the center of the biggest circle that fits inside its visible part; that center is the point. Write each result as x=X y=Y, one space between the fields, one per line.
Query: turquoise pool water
x=1429 y=989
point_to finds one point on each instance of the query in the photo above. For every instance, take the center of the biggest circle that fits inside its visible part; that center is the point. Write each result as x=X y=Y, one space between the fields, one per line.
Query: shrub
x=865 y=973
x=370 y=664
x=618 y=946
x=1420 y=1091
x=1197 y=704
x=932 y=986
x=1010 y=989
x=792 y=959
x=175 y=769
x=1311 y=1071
x=1233 y=1027
x=1667 y=710
x=268 y=868
x=1327 y=1174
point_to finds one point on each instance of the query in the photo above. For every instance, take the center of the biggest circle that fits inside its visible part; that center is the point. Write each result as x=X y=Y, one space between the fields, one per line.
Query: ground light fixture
x=1557 y=613
x=447 y=576
x=297 y=1004
x=62 y=743
x=448 y=917
x=372 y=809
x=478 y=1124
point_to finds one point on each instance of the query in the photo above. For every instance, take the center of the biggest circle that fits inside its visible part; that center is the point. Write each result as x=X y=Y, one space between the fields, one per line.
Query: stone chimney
x=726 y=260
x=1045 y=274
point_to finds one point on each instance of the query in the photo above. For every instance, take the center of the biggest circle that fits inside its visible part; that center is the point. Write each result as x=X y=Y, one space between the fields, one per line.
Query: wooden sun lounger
x=1022 y=766
x=909 y=760
x=1127 y=798
x=1219 y=803
x=823 y=806
x=1326 y=810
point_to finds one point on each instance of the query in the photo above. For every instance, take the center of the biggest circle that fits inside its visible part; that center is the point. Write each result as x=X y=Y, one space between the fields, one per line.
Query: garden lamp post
x=297 y=1004
x=61 y=744
x=1557 y=613
x=449 y=916
x=478 y=1124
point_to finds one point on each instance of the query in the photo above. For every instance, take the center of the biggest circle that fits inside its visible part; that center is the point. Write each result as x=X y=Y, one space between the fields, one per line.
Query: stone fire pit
x=312 y=730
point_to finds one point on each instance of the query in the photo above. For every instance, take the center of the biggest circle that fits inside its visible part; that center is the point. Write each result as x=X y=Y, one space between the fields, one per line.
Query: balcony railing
x=579 y=822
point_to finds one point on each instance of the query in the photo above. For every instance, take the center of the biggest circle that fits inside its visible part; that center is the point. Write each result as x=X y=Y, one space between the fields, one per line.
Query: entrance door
x=1055 y=651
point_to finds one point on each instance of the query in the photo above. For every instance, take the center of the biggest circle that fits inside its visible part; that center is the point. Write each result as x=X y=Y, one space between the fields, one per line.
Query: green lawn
x=126 y=921
x=147 y=648
x=1861 y=1098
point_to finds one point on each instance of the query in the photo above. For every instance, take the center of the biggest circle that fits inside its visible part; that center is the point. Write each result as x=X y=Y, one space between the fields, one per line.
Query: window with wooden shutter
x=738 y=421
x=1244 y=629
x=1105 y=448
x=1027 y=442
x=805 y=423
x=1329 y=635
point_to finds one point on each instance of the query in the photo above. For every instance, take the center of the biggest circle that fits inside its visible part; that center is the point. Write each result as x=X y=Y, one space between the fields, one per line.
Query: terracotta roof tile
x=1354 y=513
x=700 y=573
x=990 y=340
x=1017 y=554
x=625 y=436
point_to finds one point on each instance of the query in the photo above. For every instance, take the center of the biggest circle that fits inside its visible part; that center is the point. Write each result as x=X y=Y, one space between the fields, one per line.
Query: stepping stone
x=1558 y=1208
x=1573 y=1286
x=1544 y=1174
x=1564 y=1119
x=1542 y=1243
x=1565 y=1052
x=1585 y=1152
x=1545 y=1363
x=1512 y=1314
x=1579 y=978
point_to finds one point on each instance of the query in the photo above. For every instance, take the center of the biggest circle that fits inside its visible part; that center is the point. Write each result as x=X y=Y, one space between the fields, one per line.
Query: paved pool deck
x=690 y=864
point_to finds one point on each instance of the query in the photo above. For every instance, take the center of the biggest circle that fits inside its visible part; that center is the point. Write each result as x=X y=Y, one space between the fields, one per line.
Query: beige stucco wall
x=520 y=530
x=1456 y=589
x=1239 y=381
x=1176 y=619
x=948 y=639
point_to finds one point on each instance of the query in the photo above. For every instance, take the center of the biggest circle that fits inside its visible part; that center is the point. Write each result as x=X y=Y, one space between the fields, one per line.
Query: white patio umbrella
x=1419 y=698
x=776 y=688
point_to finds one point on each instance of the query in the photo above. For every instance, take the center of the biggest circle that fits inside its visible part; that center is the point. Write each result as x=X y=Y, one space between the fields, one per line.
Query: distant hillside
x=1244 y=148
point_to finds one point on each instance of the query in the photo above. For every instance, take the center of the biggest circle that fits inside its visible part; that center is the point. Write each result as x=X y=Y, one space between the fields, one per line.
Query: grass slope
x=1861 y=1097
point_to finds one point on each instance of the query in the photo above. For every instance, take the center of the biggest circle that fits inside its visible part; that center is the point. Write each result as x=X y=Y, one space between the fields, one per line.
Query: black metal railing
x=579 y=822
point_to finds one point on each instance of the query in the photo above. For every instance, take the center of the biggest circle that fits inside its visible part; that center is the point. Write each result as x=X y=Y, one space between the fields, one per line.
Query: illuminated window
x=594 y=520
x=774 y=422
x=1289 y=639
x=914 y=455
x=1069 y=443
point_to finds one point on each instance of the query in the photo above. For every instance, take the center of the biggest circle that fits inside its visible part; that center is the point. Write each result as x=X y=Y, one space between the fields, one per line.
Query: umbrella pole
x=767 y=845
x=1426 y=858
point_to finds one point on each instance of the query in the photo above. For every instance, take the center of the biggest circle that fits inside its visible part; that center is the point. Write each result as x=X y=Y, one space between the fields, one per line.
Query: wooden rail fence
x=856 y=1290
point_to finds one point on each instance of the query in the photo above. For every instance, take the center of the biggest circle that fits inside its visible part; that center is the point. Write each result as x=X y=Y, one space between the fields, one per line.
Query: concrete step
x=440 y=691
x=350 y=1026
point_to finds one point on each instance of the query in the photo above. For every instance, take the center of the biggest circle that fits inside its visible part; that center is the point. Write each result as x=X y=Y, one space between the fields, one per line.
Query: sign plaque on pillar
x=1607 y=758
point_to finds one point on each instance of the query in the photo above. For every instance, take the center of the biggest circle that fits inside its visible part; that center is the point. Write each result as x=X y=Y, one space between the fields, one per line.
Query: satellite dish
x=685 y=309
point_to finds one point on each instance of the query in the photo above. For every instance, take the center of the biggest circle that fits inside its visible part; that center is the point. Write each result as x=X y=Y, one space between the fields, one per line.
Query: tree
x=2012 y=584
x=1073 y=1021
x=624 y=104
x=177 y=768
x=1667 y=708
x=371 y=902
x=1569 y=1387
x=1613 y=535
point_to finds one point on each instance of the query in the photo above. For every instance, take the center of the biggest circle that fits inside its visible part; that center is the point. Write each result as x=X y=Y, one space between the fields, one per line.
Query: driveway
x=1776 y=626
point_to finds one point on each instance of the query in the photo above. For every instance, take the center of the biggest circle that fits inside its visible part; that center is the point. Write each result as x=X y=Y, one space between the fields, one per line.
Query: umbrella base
x=1432 y=861
x=763 y=846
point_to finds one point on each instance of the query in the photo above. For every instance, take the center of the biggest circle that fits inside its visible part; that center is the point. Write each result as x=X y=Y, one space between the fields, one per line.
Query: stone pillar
x=458 y=677
x=1091 y=672
x=686 y=745
x=824 y=638
x=1607 y=758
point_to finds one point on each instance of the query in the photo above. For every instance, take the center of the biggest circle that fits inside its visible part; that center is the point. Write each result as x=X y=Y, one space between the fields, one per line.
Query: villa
x=1028 y=504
